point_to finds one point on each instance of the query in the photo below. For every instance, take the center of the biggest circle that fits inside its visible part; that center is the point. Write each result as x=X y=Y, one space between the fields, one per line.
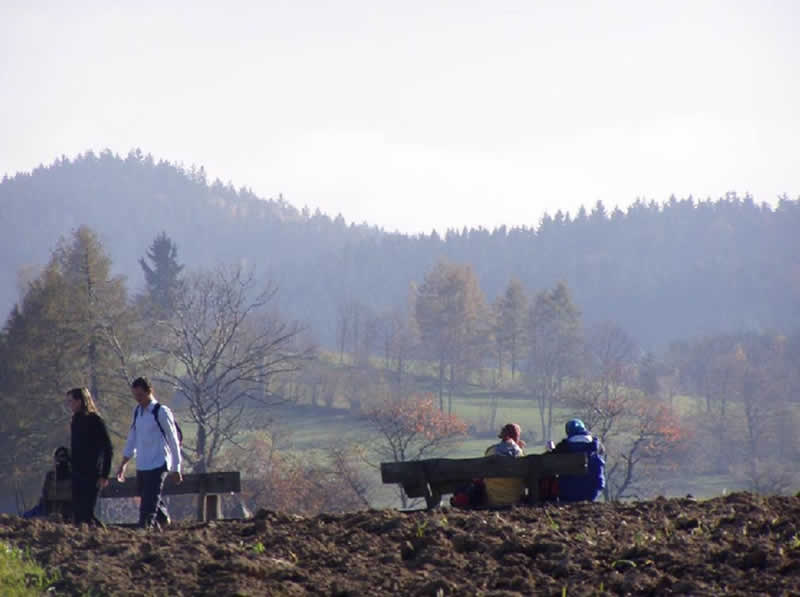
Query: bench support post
x=209 y=507
x=213 y=507
x=534 y=475
x=433 y=497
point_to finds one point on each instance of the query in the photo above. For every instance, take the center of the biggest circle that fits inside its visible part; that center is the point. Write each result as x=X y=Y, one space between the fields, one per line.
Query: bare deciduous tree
x=280 y=480
x=224 y=346
x=356 y=330
x=652 y=437
x=637 y=432
x=398 y=334
x=612 y=353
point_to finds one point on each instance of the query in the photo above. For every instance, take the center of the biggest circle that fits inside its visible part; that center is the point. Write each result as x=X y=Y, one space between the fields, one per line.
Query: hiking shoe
x=163 y=519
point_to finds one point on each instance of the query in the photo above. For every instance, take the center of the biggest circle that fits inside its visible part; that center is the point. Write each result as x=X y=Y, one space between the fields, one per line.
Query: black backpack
x=157 y=408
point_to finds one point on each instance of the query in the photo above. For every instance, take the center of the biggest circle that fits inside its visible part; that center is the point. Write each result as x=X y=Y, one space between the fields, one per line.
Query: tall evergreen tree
x=96 y=314
x=72 y=328
x=34 y=367
x=162 y=274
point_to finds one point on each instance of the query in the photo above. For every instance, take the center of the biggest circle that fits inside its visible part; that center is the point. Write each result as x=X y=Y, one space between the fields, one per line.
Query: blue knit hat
x=575 y=427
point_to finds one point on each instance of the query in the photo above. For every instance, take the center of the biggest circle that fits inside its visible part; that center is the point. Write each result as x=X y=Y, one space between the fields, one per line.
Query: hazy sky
x=413 y=115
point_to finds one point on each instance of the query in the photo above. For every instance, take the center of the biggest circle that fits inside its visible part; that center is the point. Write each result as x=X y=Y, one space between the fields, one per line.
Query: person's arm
x=106 y=447
x=168 y=422
x=49 y=479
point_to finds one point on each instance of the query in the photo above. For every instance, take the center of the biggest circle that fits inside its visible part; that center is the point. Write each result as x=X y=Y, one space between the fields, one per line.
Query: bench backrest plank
x=430 y=479
x=443 y=470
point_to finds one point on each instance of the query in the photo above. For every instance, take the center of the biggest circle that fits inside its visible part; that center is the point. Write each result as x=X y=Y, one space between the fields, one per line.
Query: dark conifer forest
x=663 y=270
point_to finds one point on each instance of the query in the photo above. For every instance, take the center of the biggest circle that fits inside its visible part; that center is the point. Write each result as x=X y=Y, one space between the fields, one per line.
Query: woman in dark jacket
x=91 y=454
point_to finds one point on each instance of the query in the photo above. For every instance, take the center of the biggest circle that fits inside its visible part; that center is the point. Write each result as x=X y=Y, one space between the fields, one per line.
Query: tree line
x=218 y=345
x=664 y=271
x=536 y=348
x=615 y=316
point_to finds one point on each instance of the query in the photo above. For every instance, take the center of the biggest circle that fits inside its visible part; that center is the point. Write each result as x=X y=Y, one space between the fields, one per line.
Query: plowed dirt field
x=738 y=544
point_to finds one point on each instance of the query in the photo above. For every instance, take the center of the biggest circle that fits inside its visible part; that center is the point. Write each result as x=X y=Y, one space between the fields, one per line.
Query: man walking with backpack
x=154 y=440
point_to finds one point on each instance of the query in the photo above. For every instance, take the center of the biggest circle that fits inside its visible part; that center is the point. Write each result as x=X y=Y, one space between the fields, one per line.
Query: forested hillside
x=663 y=271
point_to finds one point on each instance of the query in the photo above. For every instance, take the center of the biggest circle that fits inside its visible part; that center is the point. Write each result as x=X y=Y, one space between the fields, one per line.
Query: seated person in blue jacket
x=577 y=488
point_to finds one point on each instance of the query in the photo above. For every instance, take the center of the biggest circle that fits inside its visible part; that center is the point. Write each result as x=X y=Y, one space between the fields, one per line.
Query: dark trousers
x=149 y=485
x=84 y=497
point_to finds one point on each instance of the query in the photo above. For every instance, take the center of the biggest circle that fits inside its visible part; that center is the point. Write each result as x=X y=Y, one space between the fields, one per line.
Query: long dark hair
x=87 y=404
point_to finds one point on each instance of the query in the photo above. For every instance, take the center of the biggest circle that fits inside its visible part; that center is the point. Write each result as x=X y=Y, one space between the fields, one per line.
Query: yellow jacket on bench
x=504 y=491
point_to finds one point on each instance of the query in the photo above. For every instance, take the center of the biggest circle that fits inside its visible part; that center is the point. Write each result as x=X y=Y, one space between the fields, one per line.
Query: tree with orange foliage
x=650 y=435
x=330 y=481
x=639 y=433
x=412 y=429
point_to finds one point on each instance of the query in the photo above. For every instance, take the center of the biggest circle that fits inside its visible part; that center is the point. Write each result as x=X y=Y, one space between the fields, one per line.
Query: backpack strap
x=156 y=410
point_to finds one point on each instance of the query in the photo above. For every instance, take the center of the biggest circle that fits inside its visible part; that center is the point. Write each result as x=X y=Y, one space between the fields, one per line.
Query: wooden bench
x=430 y=479
x=207 y=486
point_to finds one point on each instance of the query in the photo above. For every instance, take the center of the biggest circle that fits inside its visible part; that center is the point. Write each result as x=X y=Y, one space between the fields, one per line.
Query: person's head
x=513 y=432
x=142 y=390
x=61 y=455
x=79 y=400
x=575 y=427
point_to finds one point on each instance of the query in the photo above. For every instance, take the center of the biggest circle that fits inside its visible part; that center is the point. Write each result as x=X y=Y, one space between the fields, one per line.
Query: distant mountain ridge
x=663 y=271
x=130 y=200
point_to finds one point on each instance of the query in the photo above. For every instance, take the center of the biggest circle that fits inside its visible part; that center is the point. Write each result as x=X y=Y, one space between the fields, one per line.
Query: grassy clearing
x=475 y=410
x=312 y=430
x=308 y=431
x=20 y=576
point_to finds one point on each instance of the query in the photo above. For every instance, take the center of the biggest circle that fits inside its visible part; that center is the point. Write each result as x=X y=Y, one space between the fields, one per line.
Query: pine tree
x=97 y=314
x=73 y=327
x=34 y=368
x=163 y=276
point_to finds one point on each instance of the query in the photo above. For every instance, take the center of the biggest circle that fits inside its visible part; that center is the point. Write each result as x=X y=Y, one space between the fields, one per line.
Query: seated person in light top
x=506 y=491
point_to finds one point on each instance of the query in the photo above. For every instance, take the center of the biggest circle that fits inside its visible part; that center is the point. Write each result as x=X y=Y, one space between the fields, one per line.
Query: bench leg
x=433 y=499
x=213 y=507
x=209 y=507
x=201 y=507
x=533 y=485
